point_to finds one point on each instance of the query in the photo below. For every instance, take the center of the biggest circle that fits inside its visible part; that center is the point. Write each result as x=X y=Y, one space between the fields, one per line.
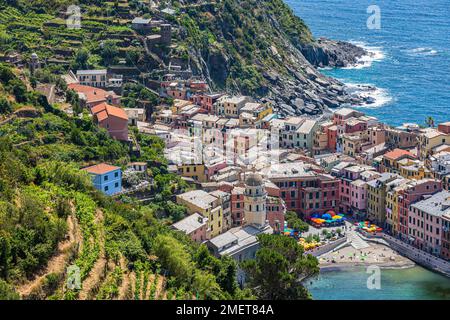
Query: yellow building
x=353 y=144
x=376 y=198
x=196 y=172
x=199 y=201
x=430 y=138
x=178 y=104
x=392 y=208
x=415 y=170
x=395 y=159
x=232 y=105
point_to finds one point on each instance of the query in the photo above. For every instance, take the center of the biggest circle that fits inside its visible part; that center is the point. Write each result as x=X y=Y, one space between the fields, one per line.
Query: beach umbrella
x=331 y=213
x=315 y=215
x=326 y=216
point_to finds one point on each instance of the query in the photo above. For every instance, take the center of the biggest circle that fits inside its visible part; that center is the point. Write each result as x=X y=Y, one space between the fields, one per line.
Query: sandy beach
x=377 y=254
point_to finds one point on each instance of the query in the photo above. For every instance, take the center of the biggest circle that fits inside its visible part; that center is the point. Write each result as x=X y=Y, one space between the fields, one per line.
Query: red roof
x=100 y=168
x=92 y=94
x=397 y=154
x=104 y=110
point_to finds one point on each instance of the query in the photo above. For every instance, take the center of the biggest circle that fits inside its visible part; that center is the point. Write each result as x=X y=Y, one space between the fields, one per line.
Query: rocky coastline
x=270 y=54
x=310 y=92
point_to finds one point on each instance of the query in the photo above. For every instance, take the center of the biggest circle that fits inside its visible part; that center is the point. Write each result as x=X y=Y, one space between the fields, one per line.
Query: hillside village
x=248 y=165
x=348 y=162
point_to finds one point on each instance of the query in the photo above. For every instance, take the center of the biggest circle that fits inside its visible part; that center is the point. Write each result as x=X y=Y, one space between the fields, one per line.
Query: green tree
x=174 y=257
x=278 y=269
x=5 y=254
x=109 y=52
x=80 y=60
x=5 y=106
x=295 y=222
x=7 y=292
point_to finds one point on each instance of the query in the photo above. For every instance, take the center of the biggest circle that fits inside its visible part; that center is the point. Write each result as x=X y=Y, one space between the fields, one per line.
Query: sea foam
x=374 y=54
x=422 y=51
x=378 y=96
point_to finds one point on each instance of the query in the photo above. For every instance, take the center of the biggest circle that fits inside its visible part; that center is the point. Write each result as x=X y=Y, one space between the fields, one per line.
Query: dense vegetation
x=41 y=188
x=242 y=39
x=233 y=42
x=48 y=207
x=278 y=269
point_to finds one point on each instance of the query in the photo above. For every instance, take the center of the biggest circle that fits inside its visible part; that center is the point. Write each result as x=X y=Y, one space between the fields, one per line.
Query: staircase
x=356 y=241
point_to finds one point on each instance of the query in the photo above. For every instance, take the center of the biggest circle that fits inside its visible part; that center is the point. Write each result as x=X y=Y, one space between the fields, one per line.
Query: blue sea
x=411 y=70
x=414 y=283
x=411 y=66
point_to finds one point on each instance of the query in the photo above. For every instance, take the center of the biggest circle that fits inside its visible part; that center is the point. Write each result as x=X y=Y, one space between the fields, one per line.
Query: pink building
x=113 y=119
x=206 y=101
x=414 y=191
x=358 y=199
x=355 y=125
x=237 y=206
x=332 y=137
x=195 y=226
x=276 y=208
x=92 y=96
x=341 y=115
x=426 y=223
x=353 y=190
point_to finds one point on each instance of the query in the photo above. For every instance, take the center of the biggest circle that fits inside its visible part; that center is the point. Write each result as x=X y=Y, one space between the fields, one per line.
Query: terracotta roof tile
x=92 y=94
x=102 y=115
x=100 y=168
x=116 y=112
x=104 y=110
x=398 y=153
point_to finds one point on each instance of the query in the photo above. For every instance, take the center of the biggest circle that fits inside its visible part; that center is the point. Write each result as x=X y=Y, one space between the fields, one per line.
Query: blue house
x=106 y=178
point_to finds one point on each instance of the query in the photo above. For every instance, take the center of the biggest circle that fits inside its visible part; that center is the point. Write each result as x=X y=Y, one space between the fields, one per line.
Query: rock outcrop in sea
x=261 y=48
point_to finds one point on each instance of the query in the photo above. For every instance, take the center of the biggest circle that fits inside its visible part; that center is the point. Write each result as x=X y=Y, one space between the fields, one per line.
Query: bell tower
x=255 y=199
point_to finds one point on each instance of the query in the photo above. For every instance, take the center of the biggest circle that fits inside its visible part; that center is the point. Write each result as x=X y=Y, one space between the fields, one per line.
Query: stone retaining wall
x=327 y=248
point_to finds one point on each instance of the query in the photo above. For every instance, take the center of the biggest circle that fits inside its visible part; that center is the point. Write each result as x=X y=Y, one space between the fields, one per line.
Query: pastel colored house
x=376 y=197
x=426 y=222
x=413 y=192
x=237 y=206
x=199 y=201
x=106 y=178
x=195 y=226
x=353 y=189
x=92 y=96
x=430 y=138
x=391 y=160
x=276 y=209
x=304 y=136
x=343 y=114
x=303 y=189
x=445 y=249
x=359 y=197
x=94 y=78
x=113 y=119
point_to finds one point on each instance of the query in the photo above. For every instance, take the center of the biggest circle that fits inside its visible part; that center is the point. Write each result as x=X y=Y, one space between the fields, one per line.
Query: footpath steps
x=356 y=241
